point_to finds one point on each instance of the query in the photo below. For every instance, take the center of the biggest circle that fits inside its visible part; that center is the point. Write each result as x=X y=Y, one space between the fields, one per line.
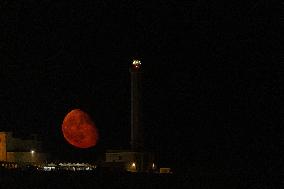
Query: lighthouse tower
x=137 y=143
x=136 y=159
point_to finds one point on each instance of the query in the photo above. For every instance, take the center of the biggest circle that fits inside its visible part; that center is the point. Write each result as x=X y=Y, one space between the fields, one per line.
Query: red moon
x=79 y=130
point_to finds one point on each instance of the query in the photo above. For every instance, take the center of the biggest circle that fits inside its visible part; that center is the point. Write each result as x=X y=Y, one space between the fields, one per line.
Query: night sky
x=209 y=100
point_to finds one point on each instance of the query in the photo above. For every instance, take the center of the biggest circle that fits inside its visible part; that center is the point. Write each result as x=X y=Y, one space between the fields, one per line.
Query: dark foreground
x=98 y=179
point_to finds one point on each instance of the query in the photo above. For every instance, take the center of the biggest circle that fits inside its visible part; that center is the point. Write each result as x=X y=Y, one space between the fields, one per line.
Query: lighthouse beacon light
x=136 y=63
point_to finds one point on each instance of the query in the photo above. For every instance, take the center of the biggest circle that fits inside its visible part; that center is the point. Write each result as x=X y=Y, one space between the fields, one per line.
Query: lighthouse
x=137 y=143
x=137 y=158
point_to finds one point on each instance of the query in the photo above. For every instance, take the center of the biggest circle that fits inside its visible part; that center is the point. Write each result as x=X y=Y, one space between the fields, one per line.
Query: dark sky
x=208 y=92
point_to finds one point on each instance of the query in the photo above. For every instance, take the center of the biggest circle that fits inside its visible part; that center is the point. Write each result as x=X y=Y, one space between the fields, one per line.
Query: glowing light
x=136 y=63
x=153 y=165
x=32 y=151
x=47 y=168
x=133 y=165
